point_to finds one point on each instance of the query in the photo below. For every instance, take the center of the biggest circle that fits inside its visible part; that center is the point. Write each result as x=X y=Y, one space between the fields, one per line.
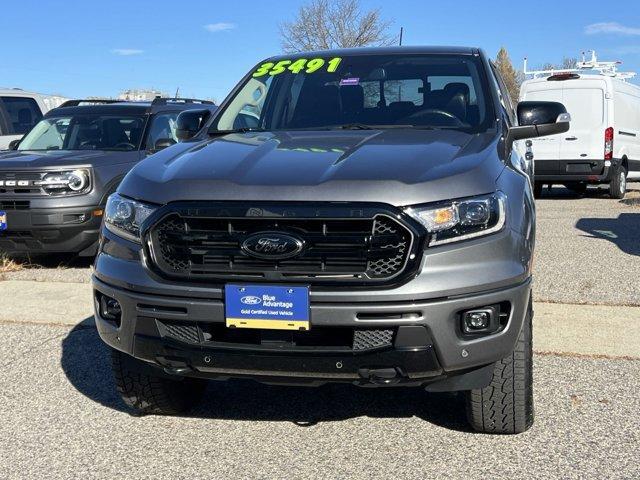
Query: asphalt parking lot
x=61 y=414
x=588 y=248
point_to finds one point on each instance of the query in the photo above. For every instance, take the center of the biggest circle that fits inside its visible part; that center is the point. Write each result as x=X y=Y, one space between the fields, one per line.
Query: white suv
x=20 y=111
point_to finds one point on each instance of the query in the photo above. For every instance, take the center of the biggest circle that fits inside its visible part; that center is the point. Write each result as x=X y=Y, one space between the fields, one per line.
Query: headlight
x=462 y=219
x=66 y=182
x=124 y=216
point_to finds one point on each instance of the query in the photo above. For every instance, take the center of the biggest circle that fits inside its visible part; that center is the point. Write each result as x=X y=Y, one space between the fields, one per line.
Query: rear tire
x=147 y=390
x=506 y=405
x=618 y=184
x=537 y=189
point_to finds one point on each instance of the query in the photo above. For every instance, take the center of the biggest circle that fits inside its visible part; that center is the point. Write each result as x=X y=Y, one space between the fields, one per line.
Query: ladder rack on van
x=609 y=69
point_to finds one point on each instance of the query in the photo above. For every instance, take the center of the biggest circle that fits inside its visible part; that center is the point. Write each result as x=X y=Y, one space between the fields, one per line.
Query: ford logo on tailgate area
x=272 y=245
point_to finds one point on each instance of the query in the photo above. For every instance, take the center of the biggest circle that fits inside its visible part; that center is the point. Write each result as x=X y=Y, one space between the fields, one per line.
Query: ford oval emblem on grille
x=272 y=245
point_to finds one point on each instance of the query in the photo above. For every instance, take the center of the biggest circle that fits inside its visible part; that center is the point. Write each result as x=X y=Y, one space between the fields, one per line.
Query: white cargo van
x=20 y=110
x=603 y=143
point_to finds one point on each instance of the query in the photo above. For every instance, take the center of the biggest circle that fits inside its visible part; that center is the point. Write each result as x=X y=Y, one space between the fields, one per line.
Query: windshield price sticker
x=297 y=66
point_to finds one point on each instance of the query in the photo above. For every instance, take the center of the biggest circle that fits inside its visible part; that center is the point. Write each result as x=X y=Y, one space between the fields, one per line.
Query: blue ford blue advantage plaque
x=267 y=306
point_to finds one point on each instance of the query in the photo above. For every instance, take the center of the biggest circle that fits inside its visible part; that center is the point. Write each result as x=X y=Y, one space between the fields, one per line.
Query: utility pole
x=401 y=30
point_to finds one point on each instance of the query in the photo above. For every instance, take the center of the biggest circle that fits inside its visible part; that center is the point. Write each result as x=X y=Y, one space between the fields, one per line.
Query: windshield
x=85 y=132
x=363 y=91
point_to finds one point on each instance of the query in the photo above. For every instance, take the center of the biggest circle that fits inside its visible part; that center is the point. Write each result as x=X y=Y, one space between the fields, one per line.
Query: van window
x=23 y=113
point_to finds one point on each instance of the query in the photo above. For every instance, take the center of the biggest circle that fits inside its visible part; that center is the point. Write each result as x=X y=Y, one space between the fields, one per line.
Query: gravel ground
x=588 y=251
x=61 y=416
x=587 y=248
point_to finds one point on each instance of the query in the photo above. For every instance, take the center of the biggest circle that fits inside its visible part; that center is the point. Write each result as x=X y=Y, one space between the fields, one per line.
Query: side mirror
x=13 y=144
x=163 y=143
x=537 y=119
x=190 y=122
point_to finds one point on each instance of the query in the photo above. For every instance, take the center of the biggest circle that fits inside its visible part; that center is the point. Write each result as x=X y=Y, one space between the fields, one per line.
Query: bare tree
x=568 y=63
x=326 y=24
x=512 y=79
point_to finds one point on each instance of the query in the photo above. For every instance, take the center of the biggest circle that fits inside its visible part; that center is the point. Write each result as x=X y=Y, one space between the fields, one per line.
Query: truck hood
x=63 y=158
x=397 y=167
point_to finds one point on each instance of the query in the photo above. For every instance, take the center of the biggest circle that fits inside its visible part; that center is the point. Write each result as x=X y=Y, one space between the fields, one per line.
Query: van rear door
x=585 y=101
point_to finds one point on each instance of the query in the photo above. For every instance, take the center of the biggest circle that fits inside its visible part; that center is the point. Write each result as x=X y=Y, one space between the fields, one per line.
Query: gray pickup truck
x=356 y=216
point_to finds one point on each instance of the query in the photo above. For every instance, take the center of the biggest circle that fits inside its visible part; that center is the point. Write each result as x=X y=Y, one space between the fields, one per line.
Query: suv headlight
x=66 y=182
x=462 y=219
x=124 y=216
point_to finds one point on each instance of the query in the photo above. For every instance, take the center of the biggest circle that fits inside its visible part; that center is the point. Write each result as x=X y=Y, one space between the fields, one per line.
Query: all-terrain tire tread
x=147 y=393
x=506 y=405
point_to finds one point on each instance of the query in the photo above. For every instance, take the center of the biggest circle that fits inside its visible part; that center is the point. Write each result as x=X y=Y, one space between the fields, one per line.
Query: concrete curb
x=591 y=330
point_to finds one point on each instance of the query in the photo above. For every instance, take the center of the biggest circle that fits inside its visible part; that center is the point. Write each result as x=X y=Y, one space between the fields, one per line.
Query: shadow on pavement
x=86 y=363
x=623 y=231
x=560 y=192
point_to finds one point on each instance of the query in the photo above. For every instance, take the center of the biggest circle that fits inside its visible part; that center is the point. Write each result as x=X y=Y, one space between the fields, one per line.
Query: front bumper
x=582 y=170
x=427 y=343
x=48 y=230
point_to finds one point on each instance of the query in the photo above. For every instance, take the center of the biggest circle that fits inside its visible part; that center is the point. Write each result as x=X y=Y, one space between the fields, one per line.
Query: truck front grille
x=362 y=250
x=335 y=338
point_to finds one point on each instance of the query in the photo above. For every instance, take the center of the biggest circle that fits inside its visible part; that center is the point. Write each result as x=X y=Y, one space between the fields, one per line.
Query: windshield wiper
x=236 y=130
x=364 y=126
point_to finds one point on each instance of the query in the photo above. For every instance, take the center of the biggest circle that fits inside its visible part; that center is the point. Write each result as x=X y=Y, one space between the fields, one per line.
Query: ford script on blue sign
x=267 y=306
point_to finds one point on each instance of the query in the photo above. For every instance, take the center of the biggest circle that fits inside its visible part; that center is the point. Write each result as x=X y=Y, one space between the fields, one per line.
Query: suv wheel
x=618 y=184
x=146 y=389
x=506 y=405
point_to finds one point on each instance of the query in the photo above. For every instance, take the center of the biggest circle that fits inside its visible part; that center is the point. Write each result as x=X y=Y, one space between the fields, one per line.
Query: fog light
x=110 y=309
x=478 y=320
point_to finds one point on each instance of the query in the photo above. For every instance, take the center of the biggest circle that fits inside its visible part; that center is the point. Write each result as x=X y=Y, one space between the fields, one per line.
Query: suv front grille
x=14 y=204
x=17 y=183
x=372 y=249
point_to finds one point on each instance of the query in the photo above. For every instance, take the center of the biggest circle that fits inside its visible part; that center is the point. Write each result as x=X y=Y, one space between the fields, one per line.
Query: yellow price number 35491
x=297 y=66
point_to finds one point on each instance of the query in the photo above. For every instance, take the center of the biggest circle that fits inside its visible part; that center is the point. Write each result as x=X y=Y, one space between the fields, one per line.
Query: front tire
x=147 y=390
x=506 y=405
x=618 y=184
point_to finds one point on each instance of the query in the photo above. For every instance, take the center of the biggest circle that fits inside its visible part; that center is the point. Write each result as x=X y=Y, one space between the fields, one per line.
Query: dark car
x=357 y=216
x=55 y=182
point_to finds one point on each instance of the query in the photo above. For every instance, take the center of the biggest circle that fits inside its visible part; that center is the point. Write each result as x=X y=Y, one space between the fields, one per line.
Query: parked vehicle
x=20 y=111
x=374 y=227
x=603 y=144
x=55 y=183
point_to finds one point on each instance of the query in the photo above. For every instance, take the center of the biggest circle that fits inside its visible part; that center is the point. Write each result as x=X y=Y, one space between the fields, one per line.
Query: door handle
x=571 y=138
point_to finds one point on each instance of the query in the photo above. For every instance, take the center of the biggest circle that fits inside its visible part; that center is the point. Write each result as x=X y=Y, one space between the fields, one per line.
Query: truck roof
x=383 y=51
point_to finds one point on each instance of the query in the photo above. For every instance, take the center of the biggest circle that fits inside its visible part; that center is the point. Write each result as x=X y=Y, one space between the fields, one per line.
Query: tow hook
x=380 y=376
x=174 y=367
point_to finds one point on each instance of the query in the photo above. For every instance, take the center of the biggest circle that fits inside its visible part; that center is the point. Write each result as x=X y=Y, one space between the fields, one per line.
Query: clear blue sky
x=82 y=48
